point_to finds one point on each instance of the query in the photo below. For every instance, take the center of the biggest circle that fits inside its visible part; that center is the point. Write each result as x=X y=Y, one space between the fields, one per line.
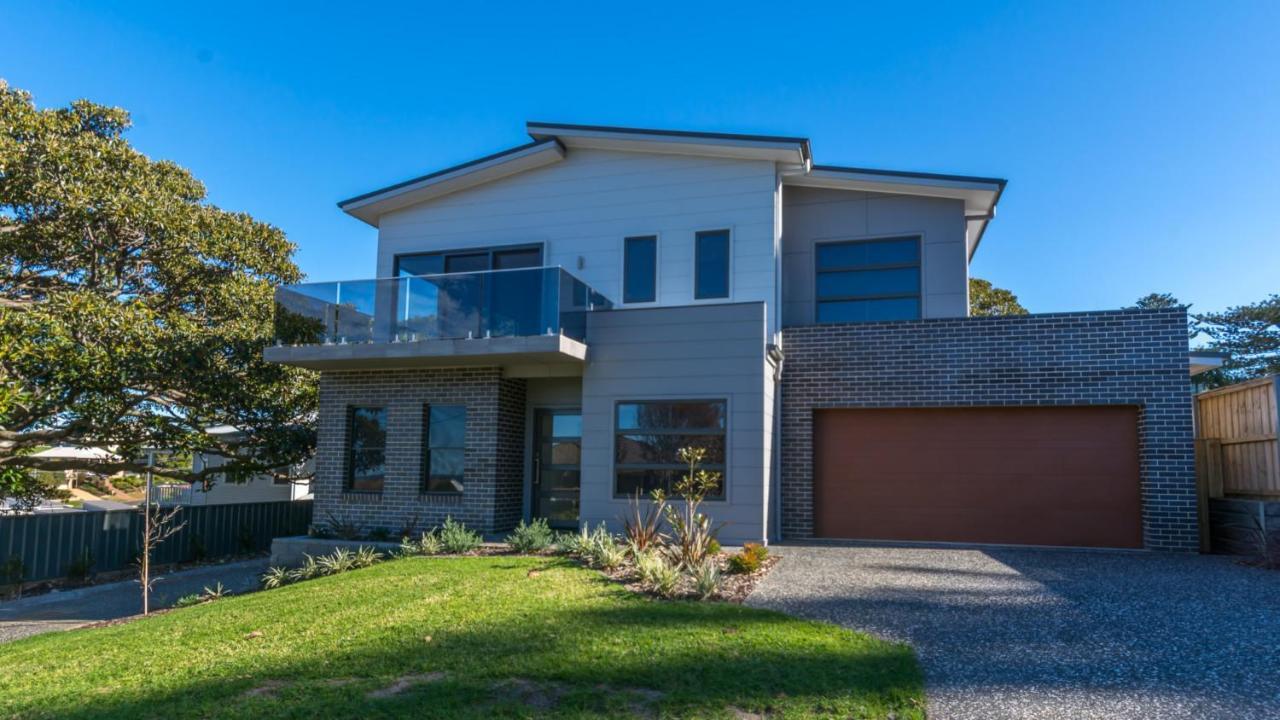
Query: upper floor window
x=446 y=442
x=640 y=269
x=868 y=280
x=711 y=264
x=470 y=260
x=648 y=437
x=366 y=449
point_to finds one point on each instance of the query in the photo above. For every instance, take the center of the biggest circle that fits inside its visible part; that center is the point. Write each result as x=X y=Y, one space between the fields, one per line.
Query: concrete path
x=1023 y=633
x=72 y=608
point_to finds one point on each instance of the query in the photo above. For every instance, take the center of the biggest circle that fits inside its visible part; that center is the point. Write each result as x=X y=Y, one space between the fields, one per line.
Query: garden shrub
x=428 y=544
x=456 y=539
x=706 y=578
x=531 y=538
x=750 y=559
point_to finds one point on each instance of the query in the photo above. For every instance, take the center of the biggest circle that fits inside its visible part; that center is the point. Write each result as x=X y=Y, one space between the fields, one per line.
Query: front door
x=557 y=458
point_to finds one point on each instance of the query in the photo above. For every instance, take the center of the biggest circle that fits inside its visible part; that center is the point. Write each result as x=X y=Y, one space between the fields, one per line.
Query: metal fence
x=50 y=544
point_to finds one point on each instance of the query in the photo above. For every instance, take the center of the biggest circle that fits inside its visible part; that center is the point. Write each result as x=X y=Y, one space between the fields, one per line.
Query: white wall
x=583 y=207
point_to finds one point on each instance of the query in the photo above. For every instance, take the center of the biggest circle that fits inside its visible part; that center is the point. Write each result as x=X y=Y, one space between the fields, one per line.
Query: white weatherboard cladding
x=583 y=207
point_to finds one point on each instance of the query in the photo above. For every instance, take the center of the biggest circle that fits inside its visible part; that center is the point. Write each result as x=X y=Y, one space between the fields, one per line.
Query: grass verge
x=472 y=637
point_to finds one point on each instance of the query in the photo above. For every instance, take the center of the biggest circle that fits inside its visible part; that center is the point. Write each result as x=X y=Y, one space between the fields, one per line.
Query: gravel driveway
x=1022 y=633
x=72 y=608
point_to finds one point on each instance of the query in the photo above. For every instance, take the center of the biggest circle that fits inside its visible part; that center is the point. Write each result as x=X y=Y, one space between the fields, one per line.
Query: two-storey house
x=548 y=325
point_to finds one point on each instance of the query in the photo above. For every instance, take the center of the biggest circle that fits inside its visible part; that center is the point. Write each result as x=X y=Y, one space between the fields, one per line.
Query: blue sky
x=1141 y=139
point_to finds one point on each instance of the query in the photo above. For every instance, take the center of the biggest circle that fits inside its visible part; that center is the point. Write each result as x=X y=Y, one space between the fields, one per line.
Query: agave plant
x=275 y=577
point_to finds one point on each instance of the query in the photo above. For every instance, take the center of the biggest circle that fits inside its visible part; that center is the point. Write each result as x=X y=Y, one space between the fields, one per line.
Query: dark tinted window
x=648 y=437
x=367 y=449
x=511 y=259
x=475 y=260
x=466 y=263
x=868 y=280
x=711 y=261
x=640 y=269
x=445 y=448
x=898 y=251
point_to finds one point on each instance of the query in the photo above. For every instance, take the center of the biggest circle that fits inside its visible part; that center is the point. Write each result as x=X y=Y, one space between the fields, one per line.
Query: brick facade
x=493 y=483
x=1126 y=357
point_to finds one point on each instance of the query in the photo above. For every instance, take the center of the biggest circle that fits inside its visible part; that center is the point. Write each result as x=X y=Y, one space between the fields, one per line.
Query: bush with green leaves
x=658 y=574
x=457 y=539
x=706 y=578
x=217 y=592
x=427 y=544
x=749 y=560
x=531 y=538
x=603 y=550
x=574 y=543
x=275 y=577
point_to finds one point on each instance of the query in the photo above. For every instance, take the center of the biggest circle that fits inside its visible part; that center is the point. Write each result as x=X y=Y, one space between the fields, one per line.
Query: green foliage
x=575 y=543
x=246 y=540
x=580 y=642
x=641 y=525
x=749 y=560
x=692 y=531
x=428 y=544
x=12 y=573
x=713 y=547
x=133 y=313
x=341 y=560
x=531 y=538
x=80 y=569
x=986 y=299
x=706 y=578
x=23 y=491
x=1249 y=334
x=275 y=577
x=1157 y=301
x=199 y=550
x=217 y=592
x=456 y=538
x=340 y=527
x=657 y=574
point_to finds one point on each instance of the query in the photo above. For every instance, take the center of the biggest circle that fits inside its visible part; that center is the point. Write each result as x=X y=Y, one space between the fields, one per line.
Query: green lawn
x=459 y=637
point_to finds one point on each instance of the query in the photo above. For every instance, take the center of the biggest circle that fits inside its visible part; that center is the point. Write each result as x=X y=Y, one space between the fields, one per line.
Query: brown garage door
x=1035 y=476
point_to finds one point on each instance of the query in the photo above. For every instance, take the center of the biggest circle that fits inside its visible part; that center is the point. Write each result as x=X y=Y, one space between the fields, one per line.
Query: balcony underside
x=526 y=356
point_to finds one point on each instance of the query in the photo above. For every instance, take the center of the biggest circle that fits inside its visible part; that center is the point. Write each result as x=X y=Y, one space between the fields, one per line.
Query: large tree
x=133 y=313
x=1249 y=334
x=986 y=299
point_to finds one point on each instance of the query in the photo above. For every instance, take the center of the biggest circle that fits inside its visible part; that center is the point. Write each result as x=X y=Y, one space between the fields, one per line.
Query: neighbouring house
x=220 y=491
x=548 y=325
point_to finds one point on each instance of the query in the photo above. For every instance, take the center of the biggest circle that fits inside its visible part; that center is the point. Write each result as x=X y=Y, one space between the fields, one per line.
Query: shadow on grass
x=635 y=657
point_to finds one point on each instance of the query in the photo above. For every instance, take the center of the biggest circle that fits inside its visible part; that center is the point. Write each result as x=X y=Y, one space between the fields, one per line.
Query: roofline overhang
x=370 y=206
x=777 y=148
x=979 y=194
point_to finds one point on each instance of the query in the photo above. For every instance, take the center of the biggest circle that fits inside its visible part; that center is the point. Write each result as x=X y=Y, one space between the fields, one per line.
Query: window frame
x=427 y=449
x=657 y=269
x=349 y=449
x=489 y=250
x=918 y=265
x=728 y=268
x=680 y=467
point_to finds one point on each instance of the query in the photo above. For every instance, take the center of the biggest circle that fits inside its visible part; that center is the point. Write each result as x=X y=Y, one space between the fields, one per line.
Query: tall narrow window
x=711 y=264
x=446 y=442
x=367 y=449
x=640 y=269
x=648 y=437
x=868 y=280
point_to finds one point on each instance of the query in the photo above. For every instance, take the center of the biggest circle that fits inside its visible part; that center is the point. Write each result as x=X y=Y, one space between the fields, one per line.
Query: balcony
x=514 y=318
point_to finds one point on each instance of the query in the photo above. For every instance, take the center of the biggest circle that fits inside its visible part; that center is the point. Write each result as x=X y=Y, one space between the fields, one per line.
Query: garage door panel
x=1044 y=476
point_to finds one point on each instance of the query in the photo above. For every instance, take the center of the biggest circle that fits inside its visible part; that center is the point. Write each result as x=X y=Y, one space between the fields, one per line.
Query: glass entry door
x=557 y=462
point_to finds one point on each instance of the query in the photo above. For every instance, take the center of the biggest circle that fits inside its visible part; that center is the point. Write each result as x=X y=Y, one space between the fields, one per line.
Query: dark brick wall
x=1124 y=357
x=491 y=501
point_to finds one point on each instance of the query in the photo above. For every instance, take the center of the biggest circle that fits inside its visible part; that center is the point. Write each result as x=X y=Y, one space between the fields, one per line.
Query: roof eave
x=372 y=205
x=793 y=150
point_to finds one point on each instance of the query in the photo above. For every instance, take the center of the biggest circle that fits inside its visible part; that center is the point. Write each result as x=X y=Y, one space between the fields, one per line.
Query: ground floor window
x=648 y=436
x=367 y=449
x=446 y=436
